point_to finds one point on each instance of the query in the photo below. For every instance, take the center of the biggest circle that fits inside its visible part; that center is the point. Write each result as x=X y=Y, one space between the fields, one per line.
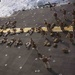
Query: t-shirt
x=45 y=59
x=39 y=55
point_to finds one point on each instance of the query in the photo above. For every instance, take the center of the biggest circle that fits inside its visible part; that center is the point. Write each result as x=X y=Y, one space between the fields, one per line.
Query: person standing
x=55 y=16
x=48 y=25
x=64 y=13
x=73 y=14
x=33 y=45
x=46 y=61
x=62 y=26
x=73 y=24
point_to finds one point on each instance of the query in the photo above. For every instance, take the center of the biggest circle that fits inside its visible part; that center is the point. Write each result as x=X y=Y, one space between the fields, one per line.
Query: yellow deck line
x=55 y=29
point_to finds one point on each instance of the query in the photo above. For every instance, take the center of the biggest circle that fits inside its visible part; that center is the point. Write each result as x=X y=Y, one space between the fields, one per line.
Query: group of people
x=47 y=43
x=9 y=43
x=8 y=24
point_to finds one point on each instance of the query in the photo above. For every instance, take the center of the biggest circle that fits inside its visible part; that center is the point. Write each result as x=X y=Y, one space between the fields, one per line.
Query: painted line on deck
x=55 y=29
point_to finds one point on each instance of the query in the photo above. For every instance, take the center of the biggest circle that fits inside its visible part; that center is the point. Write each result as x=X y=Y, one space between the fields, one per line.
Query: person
x=43 y=32
x=62 y=26
x=18 y=42
x=1 y=33
x=73 y=14
x=14 y=23
x=55 y=45
x=53 y=25
x=39 y=55
x=50 y=27
x=21 y=30
x=31 y=31
x=28 y=45
x=73 y=24
x=8 y=23
x=3 y=41
x=55 y=16
x=56 y=40
x=38 y=29
x=33 y=45
x=70 y=36
x=52 y=34
x=46 y=61
x=5 y=27
x=13 y=26
x=47 y=42
x=64 y=13
x=1 y=26
x=58 y=35
x=14 y=31
x=6 y=34
x=65 y=50
x=47 y=25
x=11 y=42
x=45 y=22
